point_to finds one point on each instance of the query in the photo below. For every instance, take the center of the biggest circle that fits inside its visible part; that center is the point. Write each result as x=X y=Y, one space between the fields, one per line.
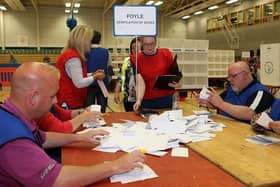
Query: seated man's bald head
x=33 y=75
x=241 y=65
x=33 y=89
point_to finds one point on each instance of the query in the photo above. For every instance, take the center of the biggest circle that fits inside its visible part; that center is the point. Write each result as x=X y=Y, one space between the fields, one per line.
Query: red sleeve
x=63 y=114
x=50 y=123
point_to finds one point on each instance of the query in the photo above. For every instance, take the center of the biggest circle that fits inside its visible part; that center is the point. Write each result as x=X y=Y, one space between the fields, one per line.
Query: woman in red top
x=65 y=121
x=74 y=79
x=151 y=63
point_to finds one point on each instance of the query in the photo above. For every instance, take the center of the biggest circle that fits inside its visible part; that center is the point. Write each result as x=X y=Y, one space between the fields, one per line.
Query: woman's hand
x=98 y=75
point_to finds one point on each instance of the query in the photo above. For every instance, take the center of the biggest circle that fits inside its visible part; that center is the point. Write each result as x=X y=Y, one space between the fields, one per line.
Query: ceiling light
x=3 y=8
x=186 y=17
x=231 y=1
x=75 y=11
x=67 y=10
x=158 y=3
x=213 y=7
x=149 y=2
x=67 y=5
x=77 y=5
x=198 y=12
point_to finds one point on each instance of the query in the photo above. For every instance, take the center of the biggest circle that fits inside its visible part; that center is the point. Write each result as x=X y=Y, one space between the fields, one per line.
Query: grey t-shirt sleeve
x=74 y=70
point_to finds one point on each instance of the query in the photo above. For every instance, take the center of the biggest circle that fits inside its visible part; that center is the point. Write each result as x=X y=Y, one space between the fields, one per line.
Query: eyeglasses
x=232 y=76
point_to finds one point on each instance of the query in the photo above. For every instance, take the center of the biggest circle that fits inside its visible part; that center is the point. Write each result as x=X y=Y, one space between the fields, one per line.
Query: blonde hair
x=80 y=39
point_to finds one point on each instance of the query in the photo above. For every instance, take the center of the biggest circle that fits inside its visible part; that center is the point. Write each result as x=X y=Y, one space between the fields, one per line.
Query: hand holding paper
x=95 y=108
x=264 y=120
x=128 y=162
x=204 y=93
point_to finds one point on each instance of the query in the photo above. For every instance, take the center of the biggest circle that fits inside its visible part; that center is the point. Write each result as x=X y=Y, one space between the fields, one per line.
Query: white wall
x=54 y=33
x=53 y=29
x=172 y=28
x=18 y=25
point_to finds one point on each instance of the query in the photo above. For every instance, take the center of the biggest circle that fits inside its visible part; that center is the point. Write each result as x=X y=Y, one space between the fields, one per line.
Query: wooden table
x=172 y=172
x=254 y=165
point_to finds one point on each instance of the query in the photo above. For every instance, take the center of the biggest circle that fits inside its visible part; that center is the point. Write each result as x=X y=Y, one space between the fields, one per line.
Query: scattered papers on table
x=135 y=175
x=263 y=140
x=162 y=132
x=264 y=120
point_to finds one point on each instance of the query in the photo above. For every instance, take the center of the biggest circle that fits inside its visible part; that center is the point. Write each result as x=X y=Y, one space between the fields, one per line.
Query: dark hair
x=96 y=37
x=132 y=42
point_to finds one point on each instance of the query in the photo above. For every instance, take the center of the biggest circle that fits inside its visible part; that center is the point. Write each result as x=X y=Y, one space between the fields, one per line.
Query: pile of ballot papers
x=162 y=132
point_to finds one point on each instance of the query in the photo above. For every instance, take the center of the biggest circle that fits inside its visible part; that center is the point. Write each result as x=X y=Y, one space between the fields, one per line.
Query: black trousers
x=94 y=93
x=128 y=106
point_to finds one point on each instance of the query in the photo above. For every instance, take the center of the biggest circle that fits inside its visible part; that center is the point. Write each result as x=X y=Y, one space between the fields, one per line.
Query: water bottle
x=175 y=101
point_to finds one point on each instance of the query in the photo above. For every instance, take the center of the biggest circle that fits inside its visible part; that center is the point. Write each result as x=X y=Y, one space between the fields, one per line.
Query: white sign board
x=135 y=21
x=245 y=54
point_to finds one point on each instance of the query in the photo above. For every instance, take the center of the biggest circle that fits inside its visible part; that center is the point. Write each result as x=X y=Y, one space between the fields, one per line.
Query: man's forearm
x=58 y=139
x=140 y=88
x=82 y=176
x=237 y=111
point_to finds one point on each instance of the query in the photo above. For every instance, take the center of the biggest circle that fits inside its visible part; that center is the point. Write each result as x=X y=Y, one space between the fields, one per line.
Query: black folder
x=163 y=81
x=174 y=75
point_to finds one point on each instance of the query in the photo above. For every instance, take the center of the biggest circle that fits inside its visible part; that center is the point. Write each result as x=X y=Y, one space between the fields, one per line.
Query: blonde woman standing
x=71 y=64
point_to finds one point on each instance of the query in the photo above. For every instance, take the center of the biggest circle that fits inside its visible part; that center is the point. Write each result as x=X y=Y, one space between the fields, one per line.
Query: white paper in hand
x=204 y=93
x=95 y=108
x=264 y=120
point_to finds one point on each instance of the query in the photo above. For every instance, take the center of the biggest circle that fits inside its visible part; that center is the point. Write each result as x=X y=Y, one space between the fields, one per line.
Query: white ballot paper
x=180 y=152
x=204 y=93
x=135 y=175
x=264 y=120
x=95 y=108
